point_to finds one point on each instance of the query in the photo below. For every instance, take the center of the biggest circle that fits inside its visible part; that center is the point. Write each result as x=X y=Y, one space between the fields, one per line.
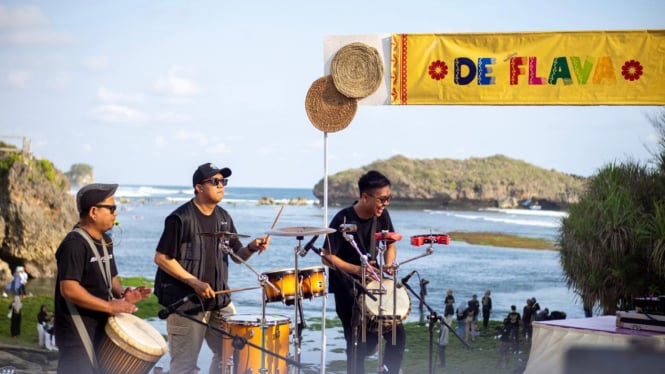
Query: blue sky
x=145 y=91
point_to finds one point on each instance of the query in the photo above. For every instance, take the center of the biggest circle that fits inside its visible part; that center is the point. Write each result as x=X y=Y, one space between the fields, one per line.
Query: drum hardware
x=239 y=343
x=433 y=317
x=299 y=232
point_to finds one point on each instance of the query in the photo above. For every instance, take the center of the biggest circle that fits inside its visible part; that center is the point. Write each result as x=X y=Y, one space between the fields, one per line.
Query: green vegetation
x=79 y=172
x=613 y=241
x=501 y=240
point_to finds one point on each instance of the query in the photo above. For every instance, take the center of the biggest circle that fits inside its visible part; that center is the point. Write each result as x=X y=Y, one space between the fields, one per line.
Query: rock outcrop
x=36 y=211
x=496 y=181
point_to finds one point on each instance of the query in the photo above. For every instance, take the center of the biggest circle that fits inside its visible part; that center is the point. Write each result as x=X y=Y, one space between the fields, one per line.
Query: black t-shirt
x=76 y=261
x=340 y=247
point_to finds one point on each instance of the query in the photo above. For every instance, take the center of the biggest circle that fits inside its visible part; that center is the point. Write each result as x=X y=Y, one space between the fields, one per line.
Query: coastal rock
x=496 y=181
x=36 y=211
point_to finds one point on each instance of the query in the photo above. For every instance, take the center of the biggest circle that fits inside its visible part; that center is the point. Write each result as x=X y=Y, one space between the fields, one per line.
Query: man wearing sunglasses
x=368 y=215
x=194 y=267
x=87 y=288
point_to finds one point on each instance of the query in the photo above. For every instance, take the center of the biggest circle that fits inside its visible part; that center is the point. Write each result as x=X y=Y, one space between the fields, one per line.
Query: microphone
x=308 y=246
x=406 y=279
x=348 y=227
x=164 y=313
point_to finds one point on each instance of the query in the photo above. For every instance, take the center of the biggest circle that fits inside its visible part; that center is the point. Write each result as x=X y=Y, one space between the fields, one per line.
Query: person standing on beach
x=87 y=289
x=15 y=311
x=193 y=264
x=369 y=215
x=487 y=308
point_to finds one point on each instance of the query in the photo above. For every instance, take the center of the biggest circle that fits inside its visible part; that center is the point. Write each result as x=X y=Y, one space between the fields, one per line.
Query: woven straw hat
x=357 y=70
x=327 y=108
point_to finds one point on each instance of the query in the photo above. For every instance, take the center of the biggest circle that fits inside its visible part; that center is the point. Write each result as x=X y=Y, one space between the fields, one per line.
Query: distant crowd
x=517 y=328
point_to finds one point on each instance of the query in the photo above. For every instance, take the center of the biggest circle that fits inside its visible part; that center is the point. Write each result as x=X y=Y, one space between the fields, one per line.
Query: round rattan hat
x=357 y=70
x=327 y=108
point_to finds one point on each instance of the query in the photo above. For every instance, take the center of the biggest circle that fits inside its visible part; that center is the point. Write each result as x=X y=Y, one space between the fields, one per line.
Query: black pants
x=348 y=312
x=486 y=317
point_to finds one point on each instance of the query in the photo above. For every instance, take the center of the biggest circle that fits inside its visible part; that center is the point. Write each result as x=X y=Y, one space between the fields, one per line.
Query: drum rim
x=281 y=271
x=254 y=322
x=119 y=337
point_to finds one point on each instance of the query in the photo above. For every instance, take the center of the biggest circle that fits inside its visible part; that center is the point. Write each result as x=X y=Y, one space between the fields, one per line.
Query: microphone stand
x=238 y=343
x=433 y=317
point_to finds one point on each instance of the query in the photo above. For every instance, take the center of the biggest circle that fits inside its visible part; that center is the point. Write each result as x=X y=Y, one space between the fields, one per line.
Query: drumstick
x=237 y=289
x=274 y=223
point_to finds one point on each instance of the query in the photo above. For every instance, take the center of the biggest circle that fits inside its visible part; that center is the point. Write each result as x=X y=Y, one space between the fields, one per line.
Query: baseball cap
x=207 y=170
x=92 y=194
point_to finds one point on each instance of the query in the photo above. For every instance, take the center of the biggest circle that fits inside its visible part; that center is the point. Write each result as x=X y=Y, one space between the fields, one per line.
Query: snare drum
x=285 y=281
x=248 y=326
x=402 y=304
x=130 y=346
x=313 y=281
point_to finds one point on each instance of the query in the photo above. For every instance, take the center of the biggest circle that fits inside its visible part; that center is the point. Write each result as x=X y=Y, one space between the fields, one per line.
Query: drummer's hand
x=260 y=244
x=202 y=289
x=389 y=269
x=137 y=294
x=117 y=306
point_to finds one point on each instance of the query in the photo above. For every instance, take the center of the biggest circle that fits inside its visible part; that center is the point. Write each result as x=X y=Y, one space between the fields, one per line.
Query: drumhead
x=126 y=329
x=402 y=305
x=312 y=269
x=280 y=272
x=255 y=319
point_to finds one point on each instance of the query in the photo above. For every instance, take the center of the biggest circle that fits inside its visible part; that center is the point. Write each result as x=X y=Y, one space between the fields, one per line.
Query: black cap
x=92 y=194
x=207 y=170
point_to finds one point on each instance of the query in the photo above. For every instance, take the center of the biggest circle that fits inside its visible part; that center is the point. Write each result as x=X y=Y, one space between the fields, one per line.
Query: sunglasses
x=216 y=181
x=383 y=199
x=111 y=208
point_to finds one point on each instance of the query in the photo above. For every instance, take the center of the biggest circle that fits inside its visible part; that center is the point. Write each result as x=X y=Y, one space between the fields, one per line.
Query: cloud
x=111 y=97
x=27 y=25
x=175 y=84
x=61 y=79
x=115 y=113
x=19 y=78
x=96 y=63
x=20 y=17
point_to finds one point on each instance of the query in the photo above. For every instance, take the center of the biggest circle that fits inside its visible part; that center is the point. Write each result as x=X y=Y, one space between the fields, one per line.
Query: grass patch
x=501 y=240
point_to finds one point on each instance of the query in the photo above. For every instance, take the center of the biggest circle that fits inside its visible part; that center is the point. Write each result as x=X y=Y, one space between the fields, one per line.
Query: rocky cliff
x=496 y=181
x=36 y=211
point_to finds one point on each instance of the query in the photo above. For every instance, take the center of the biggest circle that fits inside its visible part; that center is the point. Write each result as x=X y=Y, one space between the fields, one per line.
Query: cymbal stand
x=297 y=303
x=381 y=248
x=263 y=281
x=364 y=266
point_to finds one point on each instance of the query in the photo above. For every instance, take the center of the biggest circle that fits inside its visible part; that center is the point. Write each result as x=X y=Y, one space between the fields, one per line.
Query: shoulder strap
x=105 y=268
x=83 y=333
x=372 y=239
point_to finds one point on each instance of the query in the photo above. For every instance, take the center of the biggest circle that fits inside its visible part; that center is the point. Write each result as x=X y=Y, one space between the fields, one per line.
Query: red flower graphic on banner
x=631 y=70
x=438 y=70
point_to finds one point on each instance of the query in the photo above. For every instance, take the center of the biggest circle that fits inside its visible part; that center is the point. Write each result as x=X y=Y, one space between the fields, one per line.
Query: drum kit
x=259 y=343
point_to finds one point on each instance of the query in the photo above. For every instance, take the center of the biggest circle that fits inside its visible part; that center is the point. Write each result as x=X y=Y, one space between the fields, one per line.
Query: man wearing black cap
x=87 y=288
x=190 y=263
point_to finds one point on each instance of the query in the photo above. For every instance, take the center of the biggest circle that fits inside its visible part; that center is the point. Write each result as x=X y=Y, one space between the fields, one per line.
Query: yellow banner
x=544 y=68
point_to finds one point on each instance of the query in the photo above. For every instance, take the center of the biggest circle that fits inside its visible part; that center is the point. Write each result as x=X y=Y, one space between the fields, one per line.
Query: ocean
x=512 y=274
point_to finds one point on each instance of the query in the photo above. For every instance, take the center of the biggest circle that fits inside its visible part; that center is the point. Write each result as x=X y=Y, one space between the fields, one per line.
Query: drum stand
x=263 y=282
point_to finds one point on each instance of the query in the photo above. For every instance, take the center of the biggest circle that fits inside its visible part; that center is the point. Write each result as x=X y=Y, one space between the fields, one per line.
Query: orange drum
x=313 y=281
x=285 y=281
x=277 y=330
x=130 y=345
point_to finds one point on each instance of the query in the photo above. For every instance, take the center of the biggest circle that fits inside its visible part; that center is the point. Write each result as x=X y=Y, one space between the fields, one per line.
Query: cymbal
x=223 y=234
x=300 y=231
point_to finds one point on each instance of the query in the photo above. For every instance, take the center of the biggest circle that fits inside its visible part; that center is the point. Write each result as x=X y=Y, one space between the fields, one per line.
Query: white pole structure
x=325 y=224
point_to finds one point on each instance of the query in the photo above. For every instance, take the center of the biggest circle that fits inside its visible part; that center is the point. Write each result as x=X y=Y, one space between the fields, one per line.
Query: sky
x=145 y=91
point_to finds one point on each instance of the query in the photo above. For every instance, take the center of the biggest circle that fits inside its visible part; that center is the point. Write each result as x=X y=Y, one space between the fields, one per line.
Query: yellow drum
x=131 y=346
x=277 y=330
x=313 y=281
x=285 y=281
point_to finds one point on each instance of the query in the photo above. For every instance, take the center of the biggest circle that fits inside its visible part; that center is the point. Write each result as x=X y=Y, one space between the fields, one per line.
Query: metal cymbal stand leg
x=263 y=282
x=296 y=302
